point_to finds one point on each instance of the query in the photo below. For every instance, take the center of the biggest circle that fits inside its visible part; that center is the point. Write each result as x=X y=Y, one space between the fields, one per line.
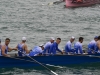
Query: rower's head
x=52 y=39
x=23 y=39
x=81 y=39
x=58 y=40
x=96 y=38
x=42 y=46
x=7 y=41
x=72 y=39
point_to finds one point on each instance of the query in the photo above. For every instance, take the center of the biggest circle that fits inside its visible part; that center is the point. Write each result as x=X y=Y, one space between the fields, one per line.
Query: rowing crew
x=51 y=47
x=23 y=50
x=21 y=47
x=93 y=46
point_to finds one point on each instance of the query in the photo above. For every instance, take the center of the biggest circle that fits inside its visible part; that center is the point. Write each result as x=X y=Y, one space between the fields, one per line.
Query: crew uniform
x=6 y=50
x=54 y=48
x=78 y=48
x=68 y=47
x=92 y=46
x=47 y=46
x=36 y=50
x=21 y=50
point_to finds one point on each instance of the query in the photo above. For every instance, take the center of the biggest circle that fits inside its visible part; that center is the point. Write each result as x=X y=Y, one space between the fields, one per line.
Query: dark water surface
x=38 y=21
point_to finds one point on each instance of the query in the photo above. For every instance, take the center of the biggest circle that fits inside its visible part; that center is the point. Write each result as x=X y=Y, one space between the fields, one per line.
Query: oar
x=94 y=56
x=40 y=64
x=43 y=66
x=56 y=2
x=35 y=62
x=53 y=66
x=89 y=49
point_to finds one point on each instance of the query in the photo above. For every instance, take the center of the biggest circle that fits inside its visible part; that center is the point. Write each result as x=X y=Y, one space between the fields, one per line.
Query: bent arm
x=80 y=48
x=10 y=49
x=58 y=49
x=51 y=49
x=26 y=49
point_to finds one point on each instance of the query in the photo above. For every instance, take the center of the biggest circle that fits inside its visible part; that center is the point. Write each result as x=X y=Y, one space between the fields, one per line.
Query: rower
x=47 y=45
x=68 y=46
x=78 y=46
x=5 y=48
x=98 y=44
x=22 y=48
x=37 y=50
x=92 y=45
x=54 y=47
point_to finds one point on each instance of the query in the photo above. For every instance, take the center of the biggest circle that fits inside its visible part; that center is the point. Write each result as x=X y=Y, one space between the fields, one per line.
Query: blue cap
x=96 y=37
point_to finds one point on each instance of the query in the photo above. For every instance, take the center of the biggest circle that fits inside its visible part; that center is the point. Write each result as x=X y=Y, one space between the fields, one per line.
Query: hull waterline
x=59 y=60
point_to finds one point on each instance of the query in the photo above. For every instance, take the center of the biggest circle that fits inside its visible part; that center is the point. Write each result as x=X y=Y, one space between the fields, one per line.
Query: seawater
x=38 y=21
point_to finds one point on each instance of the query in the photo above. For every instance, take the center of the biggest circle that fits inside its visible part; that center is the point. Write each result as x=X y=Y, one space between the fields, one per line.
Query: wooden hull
x=84 y=3
x=58 y=60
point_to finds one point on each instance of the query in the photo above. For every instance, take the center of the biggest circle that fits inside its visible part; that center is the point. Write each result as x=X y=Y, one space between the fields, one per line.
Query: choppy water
x=38 y=21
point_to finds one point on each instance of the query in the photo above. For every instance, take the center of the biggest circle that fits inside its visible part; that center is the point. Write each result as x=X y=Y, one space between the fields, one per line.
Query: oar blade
x=54 y=72
x=53 y=65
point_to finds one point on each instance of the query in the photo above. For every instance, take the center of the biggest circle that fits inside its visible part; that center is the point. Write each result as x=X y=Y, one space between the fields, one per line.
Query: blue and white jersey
x=92 y=46
x=68 y=47
x=35 y=51
x=78 y=48
x=6 y=50
x=47 y=47
x=21 y=50
x=54 y=48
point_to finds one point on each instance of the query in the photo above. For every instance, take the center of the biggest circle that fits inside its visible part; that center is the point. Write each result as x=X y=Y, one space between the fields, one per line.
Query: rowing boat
x=81 y=3
x=57 y=60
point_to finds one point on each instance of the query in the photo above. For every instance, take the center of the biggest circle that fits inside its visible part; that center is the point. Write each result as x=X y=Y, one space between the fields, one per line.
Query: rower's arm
x=58 y=49
x=10 y=49
x=80 y=48
x=26 y=49
x=98 y=45
x=3 y=51
x=69 y=47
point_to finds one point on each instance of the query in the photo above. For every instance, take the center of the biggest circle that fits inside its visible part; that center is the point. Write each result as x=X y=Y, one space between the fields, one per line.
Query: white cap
x=52 y=38
x=73 y=37
x=41 y=45
x=23 y=38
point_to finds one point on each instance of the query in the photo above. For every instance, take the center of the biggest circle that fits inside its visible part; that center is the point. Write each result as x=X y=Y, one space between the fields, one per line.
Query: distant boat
x=80 y=3
x=57 y=60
